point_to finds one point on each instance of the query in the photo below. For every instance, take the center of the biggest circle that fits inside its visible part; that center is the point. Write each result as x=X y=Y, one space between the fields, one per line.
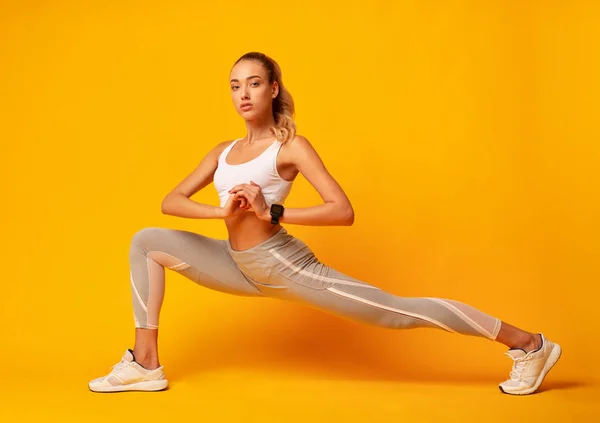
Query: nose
x=244 y=93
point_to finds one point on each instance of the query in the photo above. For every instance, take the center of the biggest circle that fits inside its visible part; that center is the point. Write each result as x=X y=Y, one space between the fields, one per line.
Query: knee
x=142 y=238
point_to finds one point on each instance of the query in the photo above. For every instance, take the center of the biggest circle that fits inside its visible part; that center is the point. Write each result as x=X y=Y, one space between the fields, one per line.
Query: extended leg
x=375 y=306
x=327 y=289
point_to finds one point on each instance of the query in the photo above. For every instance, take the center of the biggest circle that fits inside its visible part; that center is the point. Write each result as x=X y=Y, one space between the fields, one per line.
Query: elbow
x=166 y=205
x=348 y=219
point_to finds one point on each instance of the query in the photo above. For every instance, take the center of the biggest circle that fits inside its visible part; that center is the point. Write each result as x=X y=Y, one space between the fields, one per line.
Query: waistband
x=278 y=238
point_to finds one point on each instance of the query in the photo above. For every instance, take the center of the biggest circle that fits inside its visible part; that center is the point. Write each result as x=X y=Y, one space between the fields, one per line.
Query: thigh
x=324 y=288
x=295 y=265
x=312 y=282
x=199 y=258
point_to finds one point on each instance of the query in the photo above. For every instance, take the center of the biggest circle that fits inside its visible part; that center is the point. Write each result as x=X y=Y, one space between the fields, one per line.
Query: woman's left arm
x=336 y=209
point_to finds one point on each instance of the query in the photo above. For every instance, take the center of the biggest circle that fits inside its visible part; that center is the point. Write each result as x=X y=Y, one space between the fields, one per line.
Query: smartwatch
x=276 y=213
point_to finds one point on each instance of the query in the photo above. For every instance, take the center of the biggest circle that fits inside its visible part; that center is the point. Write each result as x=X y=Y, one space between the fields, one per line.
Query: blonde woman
x=253 y=176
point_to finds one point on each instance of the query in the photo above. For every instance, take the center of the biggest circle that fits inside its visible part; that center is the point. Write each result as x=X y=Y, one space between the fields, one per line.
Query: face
x=249 y=84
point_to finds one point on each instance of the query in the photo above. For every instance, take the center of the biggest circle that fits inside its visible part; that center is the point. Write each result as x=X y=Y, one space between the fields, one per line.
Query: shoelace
x=120 y=365
x=519 y=366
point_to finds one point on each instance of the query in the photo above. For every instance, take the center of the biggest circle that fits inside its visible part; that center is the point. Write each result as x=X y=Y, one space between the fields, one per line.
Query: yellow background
x=464 y=132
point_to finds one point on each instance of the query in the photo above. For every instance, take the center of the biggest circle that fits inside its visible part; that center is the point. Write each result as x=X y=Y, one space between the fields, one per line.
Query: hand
x=232 y=207
x=254 y=196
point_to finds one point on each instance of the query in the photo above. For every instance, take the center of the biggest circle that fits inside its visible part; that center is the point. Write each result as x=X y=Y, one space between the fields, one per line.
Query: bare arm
x=178 y=202
x=336 y=209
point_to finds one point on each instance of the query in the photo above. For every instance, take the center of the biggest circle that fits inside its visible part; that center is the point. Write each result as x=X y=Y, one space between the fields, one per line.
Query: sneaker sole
x=552 y=359
x=151 y=385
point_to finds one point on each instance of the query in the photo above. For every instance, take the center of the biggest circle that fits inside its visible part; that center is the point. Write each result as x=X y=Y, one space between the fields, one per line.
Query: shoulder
x=299 y=148
x=299 y=144
x=223 y=145
x=298 y=141
x=216 y=151
x=300 y=154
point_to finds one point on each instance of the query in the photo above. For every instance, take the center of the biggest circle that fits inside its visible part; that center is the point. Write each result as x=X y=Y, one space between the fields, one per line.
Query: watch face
x=277 y=208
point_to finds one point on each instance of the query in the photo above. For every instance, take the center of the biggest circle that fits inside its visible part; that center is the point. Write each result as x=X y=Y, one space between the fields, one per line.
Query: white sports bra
x=262 y=170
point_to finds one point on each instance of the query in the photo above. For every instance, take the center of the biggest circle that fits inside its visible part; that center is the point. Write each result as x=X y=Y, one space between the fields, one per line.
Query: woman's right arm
x=178 y=202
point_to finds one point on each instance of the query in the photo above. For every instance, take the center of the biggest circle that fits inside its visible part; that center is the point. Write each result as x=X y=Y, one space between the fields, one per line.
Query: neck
x=258 y=129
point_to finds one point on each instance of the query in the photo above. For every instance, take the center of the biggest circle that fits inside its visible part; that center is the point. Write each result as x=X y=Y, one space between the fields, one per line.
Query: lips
x=245 y=106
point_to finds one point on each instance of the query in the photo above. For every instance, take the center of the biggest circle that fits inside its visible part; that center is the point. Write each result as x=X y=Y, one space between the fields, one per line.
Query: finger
x=248 y=196
x=246 y=190
x=238 y=196
x=255 y=188
x=247 y=187
x=244 y=203
x=238 y=188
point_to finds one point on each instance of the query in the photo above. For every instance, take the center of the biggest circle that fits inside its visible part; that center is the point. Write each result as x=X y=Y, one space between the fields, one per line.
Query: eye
x=255 y=83
x=233 y=87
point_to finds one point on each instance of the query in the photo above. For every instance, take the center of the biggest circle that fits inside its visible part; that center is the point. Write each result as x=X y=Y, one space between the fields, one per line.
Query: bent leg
x=201 y=259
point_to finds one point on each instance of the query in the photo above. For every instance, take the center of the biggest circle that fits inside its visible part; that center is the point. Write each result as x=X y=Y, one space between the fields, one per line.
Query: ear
x=275 y=91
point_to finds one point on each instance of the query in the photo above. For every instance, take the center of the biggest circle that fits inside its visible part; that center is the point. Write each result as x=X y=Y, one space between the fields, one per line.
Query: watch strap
x=275 y=215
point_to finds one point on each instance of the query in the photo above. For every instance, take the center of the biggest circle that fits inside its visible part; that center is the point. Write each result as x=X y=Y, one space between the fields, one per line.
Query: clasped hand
x=246 y=197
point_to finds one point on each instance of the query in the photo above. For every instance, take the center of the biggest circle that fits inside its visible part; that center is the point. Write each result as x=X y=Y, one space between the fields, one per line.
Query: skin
x=246 y=214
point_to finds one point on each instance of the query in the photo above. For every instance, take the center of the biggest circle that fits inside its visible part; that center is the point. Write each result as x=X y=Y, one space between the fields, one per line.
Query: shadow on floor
x=315 y=347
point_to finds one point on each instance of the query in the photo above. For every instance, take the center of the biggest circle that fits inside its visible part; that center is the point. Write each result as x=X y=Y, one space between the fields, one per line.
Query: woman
x=253 y=176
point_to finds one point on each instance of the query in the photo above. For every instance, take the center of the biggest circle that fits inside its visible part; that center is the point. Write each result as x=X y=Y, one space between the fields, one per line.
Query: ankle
x=146 y=359
x=533 y=342
x=149 y=364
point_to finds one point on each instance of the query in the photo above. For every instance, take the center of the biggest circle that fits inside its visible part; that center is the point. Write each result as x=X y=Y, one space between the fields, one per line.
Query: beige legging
x=283 y=267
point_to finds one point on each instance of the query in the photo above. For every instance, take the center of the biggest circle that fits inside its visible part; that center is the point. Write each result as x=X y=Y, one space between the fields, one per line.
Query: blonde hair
x=283 y=104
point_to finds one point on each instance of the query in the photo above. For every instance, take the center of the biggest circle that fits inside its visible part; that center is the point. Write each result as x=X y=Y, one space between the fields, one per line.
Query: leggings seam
x=306 y=286
x=387 y=308
x=496 y=329
x=463 y=316
x=170 y=255
x=315 y=276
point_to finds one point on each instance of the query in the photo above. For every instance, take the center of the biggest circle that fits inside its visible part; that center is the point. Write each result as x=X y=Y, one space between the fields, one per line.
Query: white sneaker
x=529 y=369
x=129 y=375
